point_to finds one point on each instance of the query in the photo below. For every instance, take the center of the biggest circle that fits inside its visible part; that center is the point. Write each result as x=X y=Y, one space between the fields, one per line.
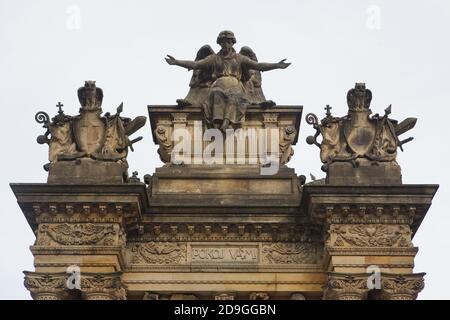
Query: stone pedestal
x=172 y=125
x=364 y=172
x=87 y=171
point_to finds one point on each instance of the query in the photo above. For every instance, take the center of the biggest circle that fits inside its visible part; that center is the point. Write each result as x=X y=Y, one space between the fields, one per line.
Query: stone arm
x=190 y=65
x=264 y=66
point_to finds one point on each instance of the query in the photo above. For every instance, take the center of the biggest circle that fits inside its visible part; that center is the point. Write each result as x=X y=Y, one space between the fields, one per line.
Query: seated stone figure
x=227 y=99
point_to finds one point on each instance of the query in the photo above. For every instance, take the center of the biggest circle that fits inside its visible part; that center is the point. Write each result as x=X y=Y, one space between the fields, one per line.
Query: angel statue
x=224 y=74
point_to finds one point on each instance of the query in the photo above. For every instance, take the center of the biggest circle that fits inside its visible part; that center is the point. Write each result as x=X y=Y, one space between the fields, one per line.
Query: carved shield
x=359 y=133
x=89 y=131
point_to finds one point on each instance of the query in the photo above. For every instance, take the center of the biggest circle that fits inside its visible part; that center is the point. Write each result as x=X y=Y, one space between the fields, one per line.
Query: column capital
x=340 y=286
x=103 y=286
x=46 y=286
x=402 y=286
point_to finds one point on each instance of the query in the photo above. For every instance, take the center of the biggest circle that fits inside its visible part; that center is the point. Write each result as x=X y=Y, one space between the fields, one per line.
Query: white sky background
x=121 y=45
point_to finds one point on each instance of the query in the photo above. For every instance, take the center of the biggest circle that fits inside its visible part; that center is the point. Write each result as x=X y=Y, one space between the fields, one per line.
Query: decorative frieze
x=77 y=234
x=364 y=213
x=183 y=232
x=369 y=235
x=223 y=254
x=84 y=212
x=158 y=253
x=289 y=253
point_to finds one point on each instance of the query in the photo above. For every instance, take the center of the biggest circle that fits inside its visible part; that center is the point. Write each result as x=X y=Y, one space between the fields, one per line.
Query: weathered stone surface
x=86 y=171
x=364 y=173
x=165 y=119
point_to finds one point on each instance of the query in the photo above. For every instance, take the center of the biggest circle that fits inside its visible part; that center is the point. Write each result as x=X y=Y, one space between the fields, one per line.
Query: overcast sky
x=400 y=49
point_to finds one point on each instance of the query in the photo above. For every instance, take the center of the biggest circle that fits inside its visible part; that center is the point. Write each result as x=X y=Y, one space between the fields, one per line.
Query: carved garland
x=78 y=234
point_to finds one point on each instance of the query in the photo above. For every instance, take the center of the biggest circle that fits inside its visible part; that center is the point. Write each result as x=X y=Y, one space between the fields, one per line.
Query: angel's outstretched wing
x=200 y=82
x=249 y=53
x=200 y=77
x=252 y=81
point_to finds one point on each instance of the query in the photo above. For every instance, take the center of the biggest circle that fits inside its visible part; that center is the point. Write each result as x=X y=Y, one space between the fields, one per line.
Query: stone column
x=341 y=286
x=100 y=286
x=45 y=286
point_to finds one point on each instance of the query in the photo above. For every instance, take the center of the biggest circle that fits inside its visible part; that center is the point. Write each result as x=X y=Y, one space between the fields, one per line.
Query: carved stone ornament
x=357 y=135
x=287 y=136
x=259 y=296
x=288 y=253
x=163 y=135
x=88 y=135
x=103 y=287
x=93 y=286
x=158 y=253
x=45 y=286
x=369 y=235
x=340 y=286
x=345 y=287
x=402 y=287
x=78 y=234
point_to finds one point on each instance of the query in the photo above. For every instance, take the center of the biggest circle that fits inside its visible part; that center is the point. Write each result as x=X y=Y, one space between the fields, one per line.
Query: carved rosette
x=402 y=287
x=70 y=234
x=346 y=287
x=158 y=253
x=103 y=287
x=288 y=253
x=369 y=235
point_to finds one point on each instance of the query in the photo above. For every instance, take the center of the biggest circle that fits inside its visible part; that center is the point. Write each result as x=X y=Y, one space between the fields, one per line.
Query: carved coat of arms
x=89 y=134
x=358 y=135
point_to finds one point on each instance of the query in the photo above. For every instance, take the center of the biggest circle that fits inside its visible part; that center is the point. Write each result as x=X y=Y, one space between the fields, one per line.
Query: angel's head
x=226 y=40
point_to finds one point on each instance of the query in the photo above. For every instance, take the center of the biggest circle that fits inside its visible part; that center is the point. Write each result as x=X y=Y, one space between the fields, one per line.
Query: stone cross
x=59 y=106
